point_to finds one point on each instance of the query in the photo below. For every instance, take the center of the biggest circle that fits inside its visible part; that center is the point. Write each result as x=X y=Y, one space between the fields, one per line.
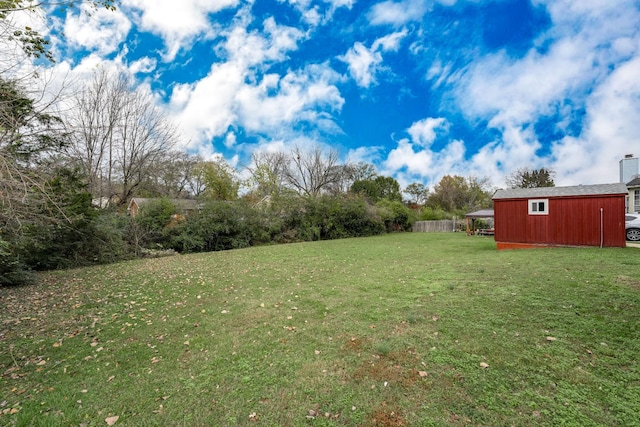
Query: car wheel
x=633 y=234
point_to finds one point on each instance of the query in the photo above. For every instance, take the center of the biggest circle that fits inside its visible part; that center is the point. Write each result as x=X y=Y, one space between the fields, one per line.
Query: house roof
x=578 y=190
x=183 y=204
x=635 y=182
x=483 y=213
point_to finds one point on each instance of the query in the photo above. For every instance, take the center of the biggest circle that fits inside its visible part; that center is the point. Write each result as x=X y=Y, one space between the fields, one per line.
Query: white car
x=632 y=225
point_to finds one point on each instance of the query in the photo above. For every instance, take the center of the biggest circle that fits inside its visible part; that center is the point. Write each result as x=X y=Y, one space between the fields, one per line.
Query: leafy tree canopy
x=418 y=193
x=457 y=193
x=378 y=188
x=219 y=179
x=531 y=178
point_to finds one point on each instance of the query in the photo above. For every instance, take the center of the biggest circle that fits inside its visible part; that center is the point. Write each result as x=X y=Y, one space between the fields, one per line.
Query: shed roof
x=483 y=213
x=578 y=190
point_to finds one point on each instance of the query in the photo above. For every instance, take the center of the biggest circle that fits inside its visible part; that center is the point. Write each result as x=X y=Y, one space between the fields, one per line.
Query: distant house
x=584 y=215
x=630 y=175
x=633 y=202
x=185 y=206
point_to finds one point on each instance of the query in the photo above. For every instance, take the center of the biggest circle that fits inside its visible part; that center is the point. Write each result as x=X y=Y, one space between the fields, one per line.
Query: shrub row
x=89 y=236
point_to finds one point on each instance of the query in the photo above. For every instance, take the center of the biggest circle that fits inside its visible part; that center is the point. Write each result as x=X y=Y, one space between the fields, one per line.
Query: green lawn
x=397 y=330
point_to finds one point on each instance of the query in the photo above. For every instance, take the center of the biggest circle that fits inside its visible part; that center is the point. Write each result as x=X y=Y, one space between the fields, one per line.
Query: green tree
x=531 y=178
x=395 y=215
x=378 y=188
x=70 y=232
x=219 y=180
x=221 y=225
x=150 y=228
x=267 y=173
x=457 y=194
x=418 y=193
x=362 y=171
x=28 y=134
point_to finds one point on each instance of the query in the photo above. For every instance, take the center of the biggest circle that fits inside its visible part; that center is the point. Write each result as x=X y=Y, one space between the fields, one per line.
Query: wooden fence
x=442 y=226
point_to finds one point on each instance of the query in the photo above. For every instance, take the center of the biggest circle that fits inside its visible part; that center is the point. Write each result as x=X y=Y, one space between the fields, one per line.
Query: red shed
x=584 y=215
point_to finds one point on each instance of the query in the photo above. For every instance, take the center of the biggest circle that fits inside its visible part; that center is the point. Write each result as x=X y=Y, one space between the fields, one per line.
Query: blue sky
x=420 y=88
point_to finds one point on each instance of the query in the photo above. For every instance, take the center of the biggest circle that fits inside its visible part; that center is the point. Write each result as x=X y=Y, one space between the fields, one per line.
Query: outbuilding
x=583 y=215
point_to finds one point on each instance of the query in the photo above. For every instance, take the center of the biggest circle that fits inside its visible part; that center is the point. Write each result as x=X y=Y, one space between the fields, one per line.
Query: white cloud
x=366 y=154
x=230 y=140
x=99 y=30
x=390 y=42
x=313 y=14
x=410 y=162
x=253 y=48
x=516 y=92
x=398 y=13
x=362 y=64
x=143 y=65
x=365 y=63
x=414 y=160
x=297 y=96
x=206 y=109
x=423 y=132
x=177 y=24
x=242 y=93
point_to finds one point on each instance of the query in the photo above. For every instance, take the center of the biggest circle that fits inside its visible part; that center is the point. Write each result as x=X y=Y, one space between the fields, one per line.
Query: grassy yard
x=397 y=330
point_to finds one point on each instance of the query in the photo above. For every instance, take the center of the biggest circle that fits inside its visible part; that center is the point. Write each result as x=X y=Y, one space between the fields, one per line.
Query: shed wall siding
x=572 y=221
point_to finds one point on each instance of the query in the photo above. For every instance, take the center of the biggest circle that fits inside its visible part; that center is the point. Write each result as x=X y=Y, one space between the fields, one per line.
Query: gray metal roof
x=483 y=213
x=635 y=182
x=578 y=190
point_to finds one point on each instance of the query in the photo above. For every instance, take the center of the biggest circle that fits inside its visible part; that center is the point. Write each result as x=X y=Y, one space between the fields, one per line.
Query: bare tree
x=312 y=172
x=94 y=121
x=173 y=175
x=143 y=134
x=118 y=136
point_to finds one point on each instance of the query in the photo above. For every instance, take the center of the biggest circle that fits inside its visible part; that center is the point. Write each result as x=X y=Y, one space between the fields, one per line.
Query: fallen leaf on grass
x=484 y=365
x=42 y=362
x=111 y=420
x=423 y=373
x=551 y=338
x=110 y=378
